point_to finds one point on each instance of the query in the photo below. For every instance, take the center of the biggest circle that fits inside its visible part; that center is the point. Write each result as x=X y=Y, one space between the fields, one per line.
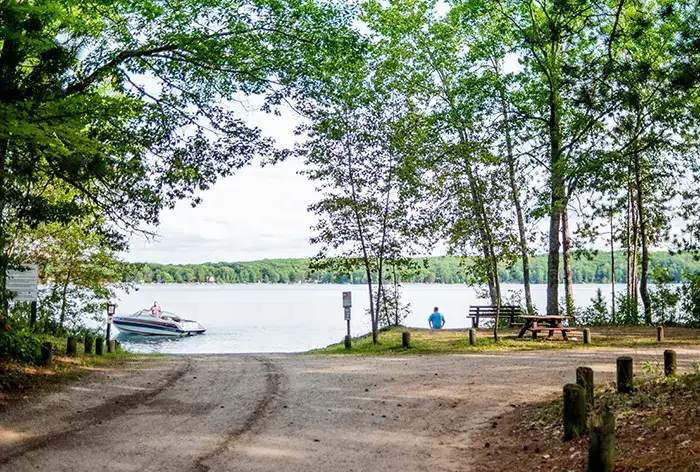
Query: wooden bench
x=509 y=312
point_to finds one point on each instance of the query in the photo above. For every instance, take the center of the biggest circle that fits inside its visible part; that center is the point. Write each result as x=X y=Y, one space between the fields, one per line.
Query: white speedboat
x=146 y=324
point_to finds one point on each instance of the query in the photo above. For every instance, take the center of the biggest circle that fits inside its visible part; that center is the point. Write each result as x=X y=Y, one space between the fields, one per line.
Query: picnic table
x=550 y=323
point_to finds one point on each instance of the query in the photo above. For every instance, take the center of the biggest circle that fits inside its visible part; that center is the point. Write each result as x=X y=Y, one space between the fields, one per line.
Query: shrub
x=21 y=345
x=690 y=298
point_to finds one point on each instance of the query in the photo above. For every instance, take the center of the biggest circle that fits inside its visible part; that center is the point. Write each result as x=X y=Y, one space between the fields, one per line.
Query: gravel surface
x=287 y=413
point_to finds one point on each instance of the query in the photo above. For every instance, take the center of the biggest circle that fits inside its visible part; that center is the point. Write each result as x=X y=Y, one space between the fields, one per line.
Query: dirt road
x=286 y=413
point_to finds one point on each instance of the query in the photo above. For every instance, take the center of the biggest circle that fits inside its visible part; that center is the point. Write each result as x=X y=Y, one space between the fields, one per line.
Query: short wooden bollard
x=72 y=346
x=574 y=411
x=406 y=339
x=88 y=344
x=99 y=346
x=46 y=354
x=660 y=334
x=625 y=374
x=348 y=342
x=584 y=378
x=601 y=449
x=669 y=362
x=586 y=336
x=472 y=337
x=111 y=346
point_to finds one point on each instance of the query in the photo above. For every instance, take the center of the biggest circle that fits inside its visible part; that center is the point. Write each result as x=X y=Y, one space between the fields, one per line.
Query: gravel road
x=286 y=413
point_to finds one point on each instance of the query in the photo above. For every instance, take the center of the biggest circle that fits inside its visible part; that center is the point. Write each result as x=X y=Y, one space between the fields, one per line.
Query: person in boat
x=155 y=310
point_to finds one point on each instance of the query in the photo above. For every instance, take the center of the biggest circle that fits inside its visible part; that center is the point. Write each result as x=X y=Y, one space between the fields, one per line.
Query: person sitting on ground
x=436 y=320
x=155 y=310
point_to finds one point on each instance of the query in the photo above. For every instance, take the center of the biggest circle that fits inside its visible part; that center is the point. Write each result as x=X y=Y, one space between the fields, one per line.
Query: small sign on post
x=347 y=308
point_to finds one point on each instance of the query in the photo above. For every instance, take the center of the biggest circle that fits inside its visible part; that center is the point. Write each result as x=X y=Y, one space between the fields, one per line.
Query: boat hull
x=157 y=328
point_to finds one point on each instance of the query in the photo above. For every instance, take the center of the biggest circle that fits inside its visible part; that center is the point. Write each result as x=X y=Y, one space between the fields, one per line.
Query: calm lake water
x=294 y=318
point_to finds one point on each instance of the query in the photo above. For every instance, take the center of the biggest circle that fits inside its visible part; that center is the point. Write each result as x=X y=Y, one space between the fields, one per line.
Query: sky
x=255 y=214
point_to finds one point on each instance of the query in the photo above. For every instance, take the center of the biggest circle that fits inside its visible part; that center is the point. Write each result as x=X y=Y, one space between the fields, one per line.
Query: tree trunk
x=612 y=264
x=360 y=230
x=10 y=60
x=629 y=239
x=515 y=195
x=558 y=196
x=643 y=233
x=568 y=283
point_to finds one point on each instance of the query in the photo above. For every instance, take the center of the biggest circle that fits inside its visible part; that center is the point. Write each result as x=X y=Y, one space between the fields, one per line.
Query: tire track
x=95 y=416
x=273 y=388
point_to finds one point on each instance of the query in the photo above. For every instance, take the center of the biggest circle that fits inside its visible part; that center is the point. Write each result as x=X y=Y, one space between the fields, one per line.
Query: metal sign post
x=347 y=307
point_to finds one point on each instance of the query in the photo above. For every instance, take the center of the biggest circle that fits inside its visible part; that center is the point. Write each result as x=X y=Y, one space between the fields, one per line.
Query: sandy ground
x=288 y=412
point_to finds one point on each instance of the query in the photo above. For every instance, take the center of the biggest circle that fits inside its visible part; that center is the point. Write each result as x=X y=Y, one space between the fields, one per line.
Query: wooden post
x=601 y=450
x=574 y=411
x=88 y=344
x=99 y=346
x=669 y=362
x=111 y=347
x=46 y=354
x=584 y=378
x=32 y=315
x=348 y=342
x=472 y=337
x=625 y=374
x=586 y=336
x=72 y=346
x=660 y=334
x=406 y=339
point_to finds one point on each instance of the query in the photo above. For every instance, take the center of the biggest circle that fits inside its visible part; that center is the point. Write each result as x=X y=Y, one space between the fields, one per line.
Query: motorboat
x=145 y=323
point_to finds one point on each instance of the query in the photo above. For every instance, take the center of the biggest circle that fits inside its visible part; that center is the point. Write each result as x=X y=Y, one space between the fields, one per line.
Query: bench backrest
x=506 y=310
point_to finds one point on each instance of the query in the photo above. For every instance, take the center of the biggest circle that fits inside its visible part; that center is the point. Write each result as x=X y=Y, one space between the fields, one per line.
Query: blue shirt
x=437 y=320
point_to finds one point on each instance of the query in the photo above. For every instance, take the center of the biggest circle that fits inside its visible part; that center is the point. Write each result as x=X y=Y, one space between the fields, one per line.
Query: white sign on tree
x=23 y=283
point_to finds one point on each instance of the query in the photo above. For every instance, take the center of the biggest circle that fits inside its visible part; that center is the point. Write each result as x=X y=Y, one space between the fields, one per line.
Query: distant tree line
x=447 y=270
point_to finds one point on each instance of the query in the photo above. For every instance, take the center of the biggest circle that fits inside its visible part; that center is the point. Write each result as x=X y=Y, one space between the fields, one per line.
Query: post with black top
x=406 y=339
x=625 y=374
x=347 y=310
x=72 y=346
x=111 y=307
x=99 y=346
x=660 y=334
x=586 y=336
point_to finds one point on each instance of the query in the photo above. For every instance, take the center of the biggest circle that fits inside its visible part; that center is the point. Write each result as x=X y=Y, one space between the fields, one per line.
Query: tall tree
x=122 y=100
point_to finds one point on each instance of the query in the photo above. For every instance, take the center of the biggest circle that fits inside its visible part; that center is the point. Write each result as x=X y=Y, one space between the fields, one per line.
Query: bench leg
x=511 y=322
x=551 y=333
x=534 y=335
x=476 y=324
x=563 y=335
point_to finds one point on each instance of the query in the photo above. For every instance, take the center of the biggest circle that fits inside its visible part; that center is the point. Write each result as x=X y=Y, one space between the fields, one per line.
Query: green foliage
x=596 y=313
x=443 y=270
x=21 y=345
x=690 y=298
x=664 y=298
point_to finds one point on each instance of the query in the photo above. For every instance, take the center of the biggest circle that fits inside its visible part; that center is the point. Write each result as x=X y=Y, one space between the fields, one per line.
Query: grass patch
x=424 y=341
x=18 y=378
x=657 y=429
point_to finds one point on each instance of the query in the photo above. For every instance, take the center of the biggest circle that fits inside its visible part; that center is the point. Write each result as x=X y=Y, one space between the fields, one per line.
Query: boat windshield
x=147 y=313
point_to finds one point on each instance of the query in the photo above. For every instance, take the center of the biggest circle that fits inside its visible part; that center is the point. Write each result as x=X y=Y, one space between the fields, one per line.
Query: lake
x=294 y=318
